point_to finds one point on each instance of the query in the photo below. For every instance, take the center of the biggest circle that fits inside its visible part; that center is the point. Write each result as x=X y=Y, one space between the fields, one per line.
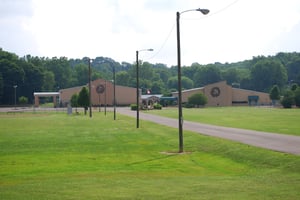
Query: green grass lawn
x=275 y=120
x=56 y=156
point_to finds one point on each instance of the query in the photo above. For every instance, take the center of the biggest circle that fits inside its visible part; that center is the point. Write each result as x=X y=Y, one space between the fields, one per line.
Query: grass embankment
x=55 y=156
x=274 y=120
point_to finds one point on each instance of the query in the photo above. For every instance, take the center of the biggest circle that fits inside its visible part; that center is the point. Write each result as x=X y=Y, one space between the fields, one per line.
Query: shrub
x=189 y=105
x=297 y=97
x=198 y=99
x=288 y=99
x=133 y=107
x=294 y=87
x=157 y=106
x=74 y=100
x=275 y=93
x=83 y=99
x=23 y=100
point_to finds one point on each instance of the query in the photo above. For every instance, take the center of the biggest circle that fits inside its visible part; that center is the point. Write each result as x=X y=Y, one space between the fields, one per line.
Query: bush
x=157 y=106
x=294 y=87
x=288 y=99
x=189 y=105
x=74 y=100
x=275 y=93
x=23 y=100
x=198 y=99
x=133 y=107
x=83 y=99
x=297 y=97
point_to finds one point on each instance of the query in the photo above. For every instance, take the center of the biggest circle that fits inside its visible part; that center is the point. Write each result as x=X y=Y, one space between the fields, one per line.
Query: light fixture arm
x=203 y=11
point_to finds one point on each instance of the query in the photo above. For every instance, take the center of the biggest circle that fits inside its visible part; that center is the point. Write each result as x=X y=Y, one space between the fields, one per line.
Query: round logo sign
x=100 y=89
x=215 y=92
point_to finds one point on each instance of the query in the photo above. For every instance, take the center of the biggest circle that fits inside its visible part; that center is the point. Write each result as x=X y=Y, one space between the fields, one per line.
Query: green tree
x=122 y=78
x=12 y=74
x=49 y=81
x=146 y=71
x=288 y=99
x=189 y=71
x=1 y=87
x=83 y=99
x=163 y=74
x=297 y=96
x=186 y=82
x=294 y=86
x=33 y=79
x=275 y=94
x=231 y=75
x=207 y=75
x=74 y=101
x=62 y=71
x=266 y=73
x=293 y=70
x=173 y=82
x=157 y=87
x=81 y=73
x=198 y=99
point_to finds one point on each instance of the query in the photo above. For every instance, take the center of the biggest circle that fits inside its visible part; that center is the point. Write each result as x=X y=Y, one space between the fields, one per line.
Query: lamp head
x=145 y=50
x=203 y=11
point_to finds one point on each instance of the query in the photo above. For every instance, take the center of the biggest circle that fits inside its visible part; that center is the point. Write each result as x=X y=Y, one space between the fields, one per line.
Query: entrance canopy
x=46 y=94
x=37 y=95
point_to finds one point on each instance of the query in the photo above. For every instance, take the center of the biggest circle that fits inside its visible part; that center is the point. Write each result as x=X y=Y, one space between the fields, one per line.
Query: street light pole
x=90 y=89
x=105 y=98
x=114 y=88
x=137 y=87
x=15 y=87
x=114 y=73
x=180 y=117
x=137 y=90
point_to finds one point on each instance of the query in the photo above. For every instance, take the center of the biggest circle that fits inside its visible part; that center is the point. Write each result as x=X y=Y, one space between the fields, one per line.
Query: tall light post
x=90 y=89
x=15 y=88
x=180 y=118
x=105 y=98
x=137 y=87
x=114 y=88
x=114 y=74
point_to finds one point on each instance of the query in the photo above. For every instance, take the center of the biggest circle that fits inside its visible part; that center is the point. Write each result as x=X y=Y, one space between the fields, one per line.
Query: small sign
x=215 y=92
x=100 y=89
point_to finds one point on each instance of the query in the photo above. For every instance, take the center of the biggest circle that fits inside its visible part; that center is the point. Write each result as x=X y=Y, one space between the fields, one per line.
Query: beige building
x=102 y=93
x=218 y=94
x=221 y=94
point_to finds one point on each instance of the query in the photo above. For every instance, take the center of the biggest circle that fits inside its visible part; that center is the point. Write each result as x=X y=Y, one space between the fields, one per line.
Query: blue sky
x=234 y=30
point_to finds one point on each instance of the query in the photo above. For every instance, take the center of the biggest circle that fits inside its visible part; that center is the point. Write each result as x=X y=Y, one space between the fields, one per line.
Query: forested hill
x=31 y=73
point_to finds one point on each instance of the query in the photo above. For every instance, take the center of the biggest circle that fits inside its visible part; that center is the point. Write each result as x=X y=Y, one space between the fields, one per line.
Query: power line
x=170 y=32
x=223 y=9
x=164 y=43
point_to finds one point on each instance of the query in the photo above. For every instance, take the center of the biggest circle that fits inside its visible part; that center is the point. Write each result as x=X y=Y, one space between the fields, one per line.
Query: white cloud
x=234 y=30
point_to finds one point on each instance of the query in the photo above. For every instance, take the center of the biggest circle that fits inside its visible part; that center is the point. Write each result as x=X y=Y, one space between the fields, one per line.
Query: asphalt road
x=277 y=142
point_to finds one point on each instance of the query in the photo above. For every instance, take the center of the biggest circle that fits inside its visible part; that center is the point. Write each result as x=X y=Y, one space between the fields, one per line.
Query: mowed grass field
x=268 y=119
x=56 y=156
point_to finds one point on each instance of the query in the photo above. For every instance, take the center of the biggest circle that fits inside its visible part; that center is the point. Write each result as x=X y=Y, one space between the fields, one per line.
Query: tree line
x=42 y=74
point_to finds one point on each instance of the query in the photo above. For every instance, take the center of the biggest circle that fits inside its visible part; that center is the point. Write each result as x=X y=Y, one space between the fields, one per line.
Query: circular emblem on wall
x=100 y=89
x=215 y=92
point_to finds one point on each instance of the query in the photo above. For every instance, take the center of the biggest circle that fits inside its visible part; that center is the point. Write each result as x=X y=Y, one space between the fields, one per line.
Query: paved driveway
x=273 y=141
